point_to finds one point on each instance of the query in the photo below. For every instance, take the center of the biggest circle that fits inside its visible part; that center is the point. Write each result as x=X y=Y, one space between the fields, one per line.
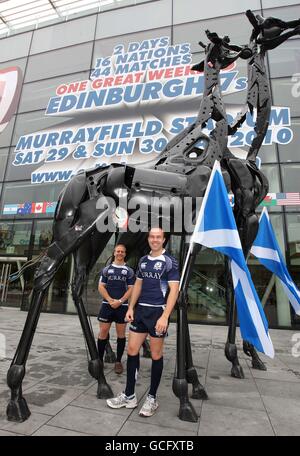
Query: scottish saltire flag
x=267 y=251
x=216 y=228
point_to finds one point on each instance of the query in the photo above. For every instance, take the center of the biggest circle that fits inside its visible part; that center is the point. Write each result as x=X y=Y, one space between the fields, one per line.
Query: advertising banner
x=136 y=100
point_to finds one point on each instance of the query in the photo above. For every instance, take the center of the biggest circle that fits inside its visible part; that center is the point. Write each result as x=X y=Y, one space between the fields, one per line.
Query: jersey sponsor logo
x=151 y=275
x=110 y=271
x=124 y=271
x=158 y=265
x=117 y=277
x=143 y=265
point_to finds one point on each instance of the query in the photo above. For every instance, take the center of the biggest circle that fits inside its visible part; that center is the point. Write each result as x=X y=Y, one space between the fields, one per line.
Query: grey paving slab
x=278 y=389
x=88 y=401
x=56 y=431
x=62 y=395
x=240 y=395
x=282 y=374
x=9 y=434
x=48 y=399
x=218 y=420
x=168 y=413
x=88 y=421
x=284 y=415
x=132 y=428
x=28 y=427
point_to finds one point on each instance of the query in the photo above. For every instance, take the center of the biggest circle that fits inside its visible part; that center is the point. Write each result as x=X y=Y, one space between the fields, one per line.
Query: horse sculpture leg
x=180 y=384
x=84 y=259
x=17 y=408
x=249 y=350
x=67 y=238
x=185 y=370
x=110 y=356
x=191 y=373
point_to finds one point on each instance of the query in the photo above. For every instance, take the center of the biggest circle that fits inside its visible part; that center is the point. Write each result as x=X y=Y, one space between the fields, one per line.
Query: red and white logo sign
x=10 y=90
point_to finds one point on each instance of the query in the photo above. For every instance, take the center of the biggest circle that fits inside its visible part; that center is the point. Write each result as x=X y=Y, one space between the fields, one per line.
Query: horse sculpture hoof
x=237 y=372
x=17 y=410
x=187 y=413
x=104 y=391
x=110 y=358
x=259 y=365
x=199 y=393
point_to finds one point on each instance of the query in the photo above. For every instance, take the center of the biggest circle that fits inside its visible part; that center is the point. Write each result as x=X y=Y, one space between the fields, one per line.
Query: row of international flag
x=276 y=199
x=27 y=208
x=46 y=207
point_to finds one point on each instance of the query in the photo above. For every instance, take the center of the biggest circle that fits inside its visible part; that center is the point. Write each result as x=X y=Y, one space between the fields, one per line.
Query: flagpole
x=200 y=215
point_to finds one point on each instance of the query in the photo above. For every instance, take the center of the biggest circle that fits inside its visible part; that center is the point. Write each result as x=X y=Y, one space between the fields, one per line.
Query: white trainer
x=149 y=407
x=122 y=401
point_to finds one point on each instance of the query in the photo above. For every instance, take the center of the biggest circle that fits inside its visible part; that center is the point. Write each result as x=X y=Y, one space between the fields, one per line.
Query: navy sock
x=133 y=365
x=120 y=348
x=101 y=343
x=156 y=371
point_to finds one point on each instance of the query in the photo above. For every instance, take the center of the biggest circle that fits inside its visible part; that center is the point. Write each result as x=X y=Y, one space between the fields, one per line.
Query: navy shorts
x=107 y=314
x=145 y=318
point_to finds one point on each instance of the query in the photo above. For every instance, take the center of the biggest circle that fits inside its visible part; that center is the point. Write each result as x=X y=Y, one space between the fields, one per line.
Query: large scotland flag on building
x=267 y=251
x=216 y=228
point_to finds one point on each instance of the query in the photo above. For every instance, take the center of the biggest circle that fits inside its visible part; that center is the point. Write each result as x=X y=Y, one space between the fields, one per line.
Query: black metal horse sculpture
x=183 y=170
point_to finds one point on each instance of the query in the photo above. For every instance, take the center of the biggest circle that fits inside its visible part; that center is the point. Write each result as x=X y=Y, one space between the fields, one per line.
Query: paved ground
x=62 y=395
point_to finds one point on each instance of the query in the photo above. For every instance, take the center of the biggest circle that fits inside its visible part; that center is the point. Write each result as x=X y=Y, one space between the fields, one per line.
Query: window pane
x=285 y=13
x=14 y=238
x=21 y=63
x=33 y=122
x=64 y=61
x=213 y=8
x=285 y=60
x=42 y=236
x=15 y=46
x=291 y=151
x=105 y=47
x=5 y=135
x=267 y=154
x=35 y=197
x=236 y=26
x=146 y=17
x=3 y=160
x=290 y=177
x=272 y=174
x=286 y=92
x=293 y=233
x=63 y=35
x=35 y=95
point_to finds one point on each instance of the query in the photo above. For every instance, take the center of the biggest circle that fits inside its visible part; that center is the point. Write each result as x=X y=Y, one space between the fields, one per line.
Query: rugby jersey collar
x=160 y=257
x=118 y=266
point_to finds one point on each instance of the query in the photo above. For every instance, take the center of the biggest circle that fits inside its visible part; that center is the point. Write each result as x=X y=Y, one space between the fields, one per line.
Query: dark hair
x=157 y=227
x=118 y=245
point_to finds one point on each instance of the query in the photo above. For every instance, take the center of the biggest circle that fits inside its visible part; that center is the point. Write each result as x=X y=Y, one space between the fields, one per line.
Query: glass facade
x=67 y=52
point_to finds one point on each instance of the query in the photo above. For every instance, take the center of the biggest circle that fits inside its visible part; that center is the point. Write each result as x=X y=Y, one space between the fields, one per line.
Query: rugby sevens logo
x=10 y=90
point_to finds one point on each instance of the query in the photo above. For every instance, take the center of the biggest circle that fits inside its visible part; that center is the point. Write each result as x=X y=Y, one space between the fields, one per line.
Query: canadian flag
x=38 y=208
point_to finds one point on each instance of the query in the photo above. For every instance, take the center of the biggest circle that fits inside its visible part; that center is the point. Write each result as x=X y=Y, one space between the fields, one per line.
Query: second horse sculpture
x=182 y=170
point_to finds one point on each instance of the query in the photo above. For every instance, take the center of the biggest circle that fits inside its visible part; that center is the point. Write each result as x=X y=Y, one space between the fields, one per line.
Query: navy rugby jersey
x=117 y=278
x=156 y=272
